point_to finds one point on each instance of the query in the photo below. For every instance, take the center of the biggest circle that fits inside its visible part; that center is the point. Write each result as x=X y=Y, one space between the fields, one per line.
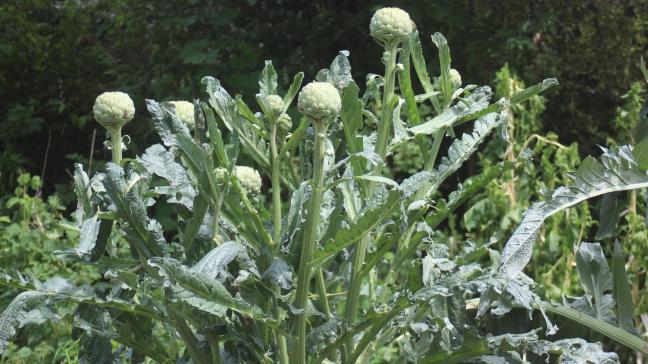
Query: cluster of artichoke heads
x=320 y=101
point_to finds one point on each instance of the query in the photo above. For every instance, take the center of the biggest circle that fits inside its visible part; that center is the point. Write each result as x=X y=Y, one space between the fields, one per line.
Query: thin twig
x=92 y=145
x=49 y=142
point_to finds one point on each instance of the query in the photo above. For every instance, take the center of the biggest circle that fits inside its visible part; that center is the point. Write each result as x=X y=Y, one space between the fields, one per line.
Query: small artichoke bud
x=391 y=25
x=319 y=100
x=249 y=178
x=284 y=123
x=185 y=112
x=113 y=109
x=275 y=103
x=220 y=174
x=455 y=78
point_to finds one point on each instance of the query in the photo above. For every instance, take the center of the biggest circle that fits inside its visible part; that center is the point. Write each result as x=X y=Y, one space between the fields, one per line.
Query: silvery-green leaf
x=614 y=172
x=159 y=161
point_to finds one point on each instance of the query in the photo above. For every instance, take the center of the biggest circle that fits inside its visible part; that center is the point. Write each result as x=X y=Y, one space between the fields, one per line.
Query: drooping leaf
x=214 y=264
x=616 y=171
x=17 y=312
x=200 y=291
x=611 y=206
x=621 y=291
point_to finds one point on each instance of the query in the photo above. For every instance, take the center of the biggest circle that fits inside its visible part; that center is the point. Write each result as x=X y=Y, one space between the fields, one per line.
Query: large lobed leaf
x=616 y=171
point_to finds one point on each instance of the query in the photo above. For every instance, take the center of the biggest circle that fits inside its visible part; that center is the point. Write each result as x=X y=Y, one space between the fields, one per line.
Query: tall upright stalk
x=116 y=146
x=353 y=296
x=276 y=186
x=391 y=51
x=282 y=347
x=309 y=237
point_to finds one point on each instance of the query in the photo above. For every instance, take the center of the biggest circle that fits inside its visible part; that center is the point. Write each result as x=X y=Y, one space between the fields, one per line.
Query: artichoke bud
x=113 y=109
x=185 y=112
x=391 y=25
x=249 y=178
x=319 y=100
x=284 y=123
x=455 y=78
x=275 y=105
x=220 y=174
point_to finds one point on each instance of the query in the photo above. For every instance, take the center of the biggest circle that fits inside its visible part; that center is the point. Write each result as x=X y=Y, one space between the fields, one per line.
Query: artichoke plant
x=293 y=244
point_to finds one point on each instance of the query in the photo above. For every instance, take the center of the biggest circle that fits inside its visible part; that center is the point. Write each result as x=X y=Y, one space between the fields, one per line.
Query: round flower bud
x=185 y=112
x=220 y=174
x=113 y=109
x=249 y=178
x=319 y=100
x=284 y=123
x=455 y=78
x=275 y=103
x=391 y=24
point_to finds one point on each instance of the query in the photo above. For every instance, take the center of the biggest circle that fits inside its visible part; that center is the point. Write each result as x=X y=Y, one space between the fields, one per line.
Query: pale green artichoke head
x=319 y=100
x=185 y=112
x=249 y=178
x=391 y=25
x=113 y=109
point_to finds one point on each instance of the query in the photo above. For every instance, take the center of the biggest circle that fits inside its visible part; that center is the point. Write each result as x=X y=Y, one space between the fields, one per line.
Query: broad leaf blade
x=616 y=171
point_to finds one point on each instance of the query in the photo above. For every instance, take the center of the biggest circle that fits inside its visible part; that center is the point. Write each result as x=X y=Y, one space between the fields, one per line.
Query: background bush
x=56 y=56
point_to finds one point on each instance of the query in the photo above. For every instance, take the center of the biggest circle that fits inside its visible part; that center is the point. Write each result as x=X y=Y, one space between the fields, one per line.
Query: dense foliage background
x=56 y=56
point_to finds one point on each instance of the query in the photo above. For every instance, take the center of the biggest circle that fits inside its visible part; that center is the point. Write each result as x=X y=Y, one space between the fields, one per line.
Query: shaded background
x=56 y=56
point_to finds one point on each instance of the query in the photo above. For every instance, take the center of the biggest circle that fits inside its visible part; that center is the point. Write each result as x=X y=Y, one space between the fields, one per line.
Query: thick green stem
x=381 y=149
x=198 y=355
x=321 y=289
x=309 y=238
x=282 y=347
x=388 y=93
x=116 y=146
x=276 y=187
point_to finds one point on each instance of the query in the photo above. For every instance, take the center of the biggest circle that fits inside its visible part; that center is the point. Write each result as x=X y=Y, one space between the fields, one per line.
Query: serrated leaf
x=214 y=264
x=292 y=91
x=93 y=237
x=339 y=73
x=166 y=122
x=470 y=105
x=200 y=291
x=614 y=172
x=596 y=279
x=17 y=312
x=279 y=274
x=249 y=134
x=366 y=222
x=458 y=153
x=159 y=161
x=143 y=233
